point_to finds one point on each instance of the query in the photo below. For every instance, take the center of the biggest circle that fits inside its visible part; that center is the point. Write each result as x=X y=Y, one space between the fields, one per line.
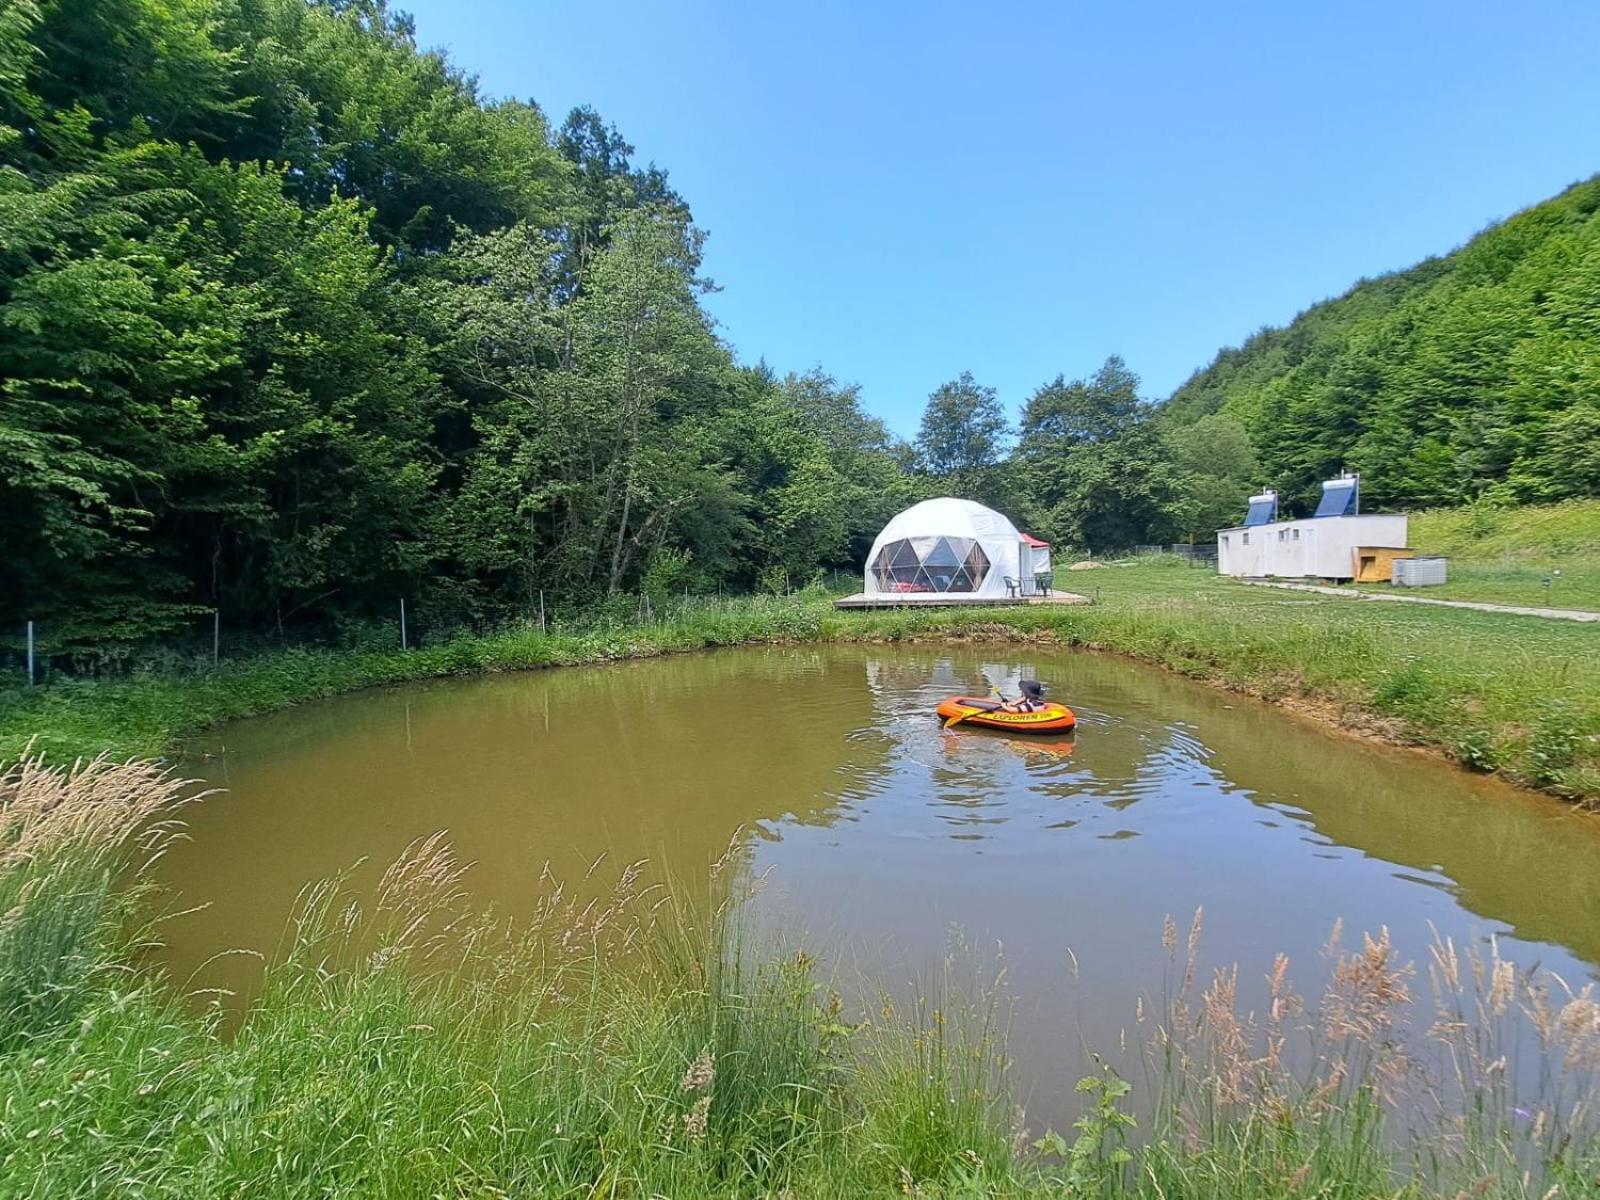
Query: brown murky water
x=887 y=836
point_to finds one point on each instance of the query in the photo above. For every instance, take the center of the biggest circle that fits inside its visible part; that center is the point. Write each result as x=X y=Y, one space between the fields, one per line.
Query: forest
x=295 y=321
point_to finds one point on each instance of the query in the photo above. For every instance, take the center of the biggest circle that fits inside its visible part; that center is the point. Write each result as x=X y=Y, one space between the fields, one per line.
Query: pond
x=889 y=839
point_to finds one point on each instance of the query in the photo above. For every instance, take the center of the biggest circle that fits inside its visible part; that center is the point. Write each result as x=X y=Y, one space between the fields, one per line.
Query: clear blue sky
x=903 y=191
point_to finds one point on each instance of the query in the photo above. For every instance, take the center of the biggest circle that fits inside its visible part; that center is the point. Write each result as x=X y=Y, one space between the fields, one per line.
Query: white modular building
x=1325 y=546
x=953 y=549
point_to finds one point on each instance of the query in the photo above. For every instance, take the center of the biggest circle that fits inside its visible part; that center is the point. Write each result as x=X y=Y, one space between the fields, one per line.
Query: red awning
x=1030 y=540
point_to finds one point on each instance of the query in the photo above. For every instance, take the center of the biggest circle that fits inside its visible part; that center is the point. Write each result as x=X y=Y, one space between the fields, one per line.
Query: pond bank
x=1517 y=696
x=636 y=1047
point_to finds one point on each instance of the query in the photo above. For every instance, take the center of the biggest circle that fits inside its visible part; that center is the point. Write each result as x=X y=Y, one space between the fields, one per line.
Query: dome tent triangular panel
x=946 y=546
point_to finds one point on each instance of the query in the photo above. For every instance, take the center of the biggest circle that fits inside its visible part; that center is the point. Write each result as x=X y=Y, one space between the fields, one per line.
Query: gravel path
x=1559 y=614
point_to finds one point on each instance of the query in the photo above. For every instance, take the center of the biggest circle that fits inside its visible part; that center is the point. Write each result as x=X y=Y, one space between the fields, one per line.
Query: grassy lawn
x=1541 y=557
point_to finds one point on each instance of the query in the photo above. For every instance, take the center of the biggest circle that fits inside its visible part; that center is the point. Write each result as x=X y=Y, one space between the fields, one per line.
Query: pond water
x=887 y=838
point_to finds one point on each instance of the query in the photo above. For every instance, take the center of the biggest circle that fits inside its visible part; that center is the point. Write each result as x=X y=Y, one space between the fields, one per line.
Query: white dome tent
x=949 y=549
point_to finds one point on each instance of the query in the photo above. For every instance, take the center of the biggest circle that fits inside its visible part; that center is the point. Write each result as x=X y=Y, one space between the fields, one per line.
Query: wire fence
x=1199 y=554
x=42 y=651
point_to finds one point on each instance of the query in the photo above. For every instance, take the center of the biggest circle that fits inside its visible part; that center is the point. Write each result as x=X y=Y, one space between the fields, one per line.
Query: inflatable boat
x=1049 y=717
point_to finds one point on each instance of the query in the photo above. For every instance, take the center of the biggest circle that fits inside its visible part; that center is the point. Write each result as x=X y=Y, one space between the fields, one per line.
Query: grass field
x=1540 y=557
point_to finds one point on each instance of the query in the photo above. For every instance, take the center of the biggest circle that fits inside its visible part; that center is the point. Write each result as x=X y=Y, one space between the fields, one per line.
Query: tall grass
x=409 y=1045
x=1481 y=1083
x=65 y=838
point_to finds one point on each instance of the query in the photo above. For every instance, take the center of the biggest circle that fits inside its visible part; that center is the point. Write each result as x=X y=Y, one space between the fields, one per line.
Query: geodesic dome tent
x=945 y=547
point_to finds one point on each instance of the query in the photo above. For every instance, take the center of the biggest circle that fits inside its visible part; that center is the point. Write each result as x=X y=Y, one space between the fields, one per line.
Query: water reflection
x=884 y=832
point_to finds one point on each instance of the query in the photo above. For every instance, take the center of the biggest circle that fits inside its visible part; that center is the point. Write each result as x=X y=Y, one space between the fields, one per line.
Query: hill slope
x=1471 y=373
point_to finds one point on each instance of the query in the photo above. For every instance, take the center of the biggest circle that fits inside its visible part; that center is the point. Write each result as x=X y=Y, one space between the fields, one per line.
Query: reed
x=65 y=838
x=407 y=1044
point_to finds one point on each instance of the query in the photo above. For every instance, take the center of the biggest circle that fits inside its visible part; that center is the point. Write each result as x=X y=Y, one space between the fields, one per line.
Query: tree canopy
x=294 y=320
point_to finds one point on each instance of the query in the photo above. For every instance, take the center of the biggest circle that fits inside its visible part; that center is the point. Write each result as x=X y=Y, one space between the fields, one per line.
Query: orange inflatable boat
x=1050 y=717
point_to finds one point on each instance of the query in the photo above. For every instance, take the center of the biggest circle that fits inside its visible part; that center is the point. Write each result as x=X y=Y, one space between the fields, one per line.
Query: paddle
x=960 y=717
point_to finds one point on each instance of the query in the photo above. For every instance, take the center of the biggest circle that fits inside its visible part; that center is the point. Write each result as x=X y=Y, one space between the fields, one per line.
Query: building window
x=1297 y=535
x=1247 y=539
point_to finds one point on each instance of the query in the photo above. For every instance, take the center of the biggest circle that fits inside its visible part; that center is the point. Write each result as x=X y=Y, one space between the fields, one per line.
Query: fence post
x=216 y=636
x=403 y=645
x=541 y=610
x=30 y=653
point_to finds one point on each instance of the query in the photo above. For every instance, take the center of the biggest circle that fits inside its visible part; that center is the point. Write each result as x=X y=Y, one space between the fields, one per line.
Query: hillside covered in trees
x=1475 y=374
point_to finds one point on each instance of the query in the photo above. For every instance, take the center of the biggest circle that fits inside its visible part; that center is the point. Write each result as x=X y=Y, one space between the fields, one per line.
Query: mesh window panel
x=977 y=566
x=880 y=568
x=930 y=564
x=941 y=554
x=904 y=571
x=902 y=554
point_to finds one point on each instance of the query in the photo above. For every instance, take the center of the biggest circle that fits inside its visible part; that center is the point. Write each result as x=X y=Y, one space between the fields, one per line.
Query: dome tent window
x=951 y=564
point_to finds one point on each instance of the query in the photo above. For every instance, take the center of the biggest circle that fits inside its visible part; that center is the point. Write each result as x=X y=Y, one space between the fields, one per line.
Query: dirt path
x=1559 y=614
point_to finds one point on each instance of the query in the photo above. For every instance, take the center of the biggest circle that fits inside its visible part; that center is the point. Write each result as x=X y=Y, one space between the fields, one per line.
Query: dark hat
x=1032 y=689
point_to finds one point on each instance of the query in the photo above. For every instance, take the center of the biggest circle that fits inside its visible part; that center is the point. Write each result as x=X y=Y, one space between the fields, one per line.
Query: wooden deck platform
x=862 y=600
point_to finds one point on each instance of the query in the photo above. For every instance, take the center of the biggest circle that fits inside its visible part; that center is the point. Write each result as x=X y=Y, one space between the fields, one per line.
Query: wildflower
x=702 y=1073
x=382 y=957
x=695 y=1120
x=1501 y=987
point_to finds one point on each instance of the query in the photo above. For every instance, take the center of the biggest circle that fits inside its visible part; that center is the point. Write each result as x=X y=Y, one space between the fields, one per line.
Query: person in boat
x=1031 y=698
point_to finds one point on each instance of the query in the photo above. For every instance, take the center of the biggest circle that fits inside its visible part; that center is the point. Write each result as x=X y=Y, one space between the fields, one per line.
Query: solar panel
x=1262 y=511
x=1338 y=498
x=1263 y=508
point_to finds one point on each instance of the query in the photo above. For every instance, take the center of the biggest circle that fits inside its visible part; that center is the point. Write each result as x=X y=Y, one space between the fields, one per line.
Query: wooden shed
x=1375 y=564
